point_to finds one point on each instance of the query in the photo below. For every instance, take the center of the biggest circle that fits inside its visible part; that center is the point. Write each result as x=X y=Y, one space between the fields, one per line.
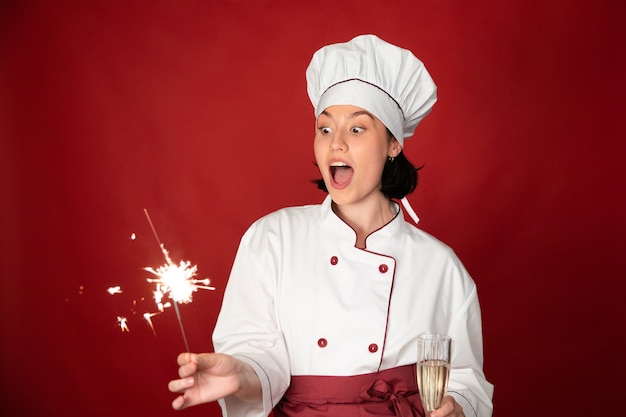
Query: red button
x=334 y=260
x=373 y=348
x=322 y=342
x=383 y=268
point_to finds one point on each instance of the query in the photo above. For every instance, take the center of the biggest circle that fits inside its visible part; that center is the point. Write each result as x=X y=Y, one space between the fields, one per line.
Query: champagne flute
x=433 y=368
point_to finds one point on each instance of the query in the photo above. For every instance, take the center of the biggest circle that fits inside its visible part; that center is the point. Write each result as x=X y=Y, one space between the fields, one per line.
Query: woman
x=325 y=302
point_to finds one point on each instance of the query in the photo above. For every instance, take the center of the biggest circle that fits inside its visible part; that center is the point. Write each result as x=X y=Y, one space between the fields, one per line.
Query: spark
x=148 y=317
x=122 y=322
x=114 y=290
x=176 y=280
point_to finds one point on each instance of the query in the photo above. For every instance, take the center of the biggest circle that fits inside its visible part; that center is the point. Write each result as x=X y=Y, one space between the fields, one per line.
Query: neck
x=365 y=218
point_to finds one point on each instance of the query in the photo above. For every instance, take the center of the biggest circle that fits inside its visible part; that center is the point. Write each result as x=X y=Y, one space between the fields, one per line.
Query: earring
x=391 y=159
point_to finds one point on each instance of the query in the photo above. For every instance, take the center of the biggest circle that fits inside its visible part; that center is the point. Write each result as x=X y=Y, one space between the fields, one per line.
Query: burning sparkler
x=175 y=281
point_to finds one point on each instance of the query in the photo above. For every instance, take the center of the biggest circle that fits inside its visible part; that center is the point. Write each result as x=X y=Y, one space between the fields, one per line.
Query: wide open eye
x=324 y=129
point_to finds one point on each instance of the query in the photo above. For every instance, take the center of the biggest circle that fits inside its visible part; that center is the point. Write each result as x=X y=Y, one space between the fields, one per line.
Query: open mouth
x=341 y=173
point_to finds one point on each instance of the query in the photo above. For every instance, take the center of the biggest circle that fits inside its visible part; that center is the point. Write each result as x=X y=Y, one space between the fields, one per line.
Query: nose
x=338 y=143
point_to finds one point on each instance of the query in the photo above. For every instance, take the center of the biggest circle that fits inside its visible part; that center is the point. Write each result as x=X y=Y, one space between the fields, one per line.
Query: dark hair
x=399 y=177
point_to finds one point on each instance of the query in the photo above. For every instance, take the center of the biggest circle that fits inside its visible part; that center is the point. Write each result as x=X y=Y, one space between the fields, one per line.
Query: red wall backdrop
x=197 y=111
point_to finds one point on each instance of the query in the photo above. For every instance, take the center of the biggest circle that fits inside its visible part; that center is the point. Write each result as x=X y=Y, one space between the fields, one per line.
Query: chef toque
x=367 y=72
x=384 y=79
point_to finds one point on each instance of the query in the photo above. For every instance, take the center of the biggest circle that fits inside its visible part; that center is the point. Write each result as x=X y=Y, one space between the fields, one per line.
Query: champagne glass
x=433 y=368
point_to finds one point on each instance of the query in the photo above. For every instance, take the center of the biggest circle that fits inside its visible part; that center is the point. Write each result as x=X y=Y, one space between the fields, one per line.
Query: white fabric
x=370 y=73
x=363 y=95
x=409 y=210
x=285 y=293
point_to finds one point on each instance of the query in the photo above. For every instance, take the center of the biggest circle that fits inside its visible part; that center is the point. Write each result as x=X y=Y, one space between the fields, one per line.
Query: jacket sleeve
x=247 y=325
x=467 y=383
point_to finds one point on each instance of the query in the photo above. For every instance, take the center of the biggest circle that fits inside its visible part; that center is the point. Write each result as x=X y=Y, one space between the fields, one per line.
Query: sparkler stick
x=182 y=329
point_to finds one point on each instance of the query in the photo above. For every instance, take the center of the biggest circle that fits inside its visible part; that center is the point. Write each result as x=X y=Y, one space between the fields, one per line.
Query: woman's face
x=351 y=148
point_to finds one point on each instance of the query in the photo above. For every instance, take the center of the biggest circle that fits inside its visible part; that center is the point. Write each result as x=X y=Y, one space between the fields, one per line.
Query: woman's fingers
x=184 y=358
x=178 y=403
x=180 y=385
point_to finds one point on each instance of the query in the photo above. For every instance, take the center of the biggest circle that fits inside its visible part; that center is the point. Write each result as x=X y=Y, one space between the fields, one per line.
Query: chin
x=340 y=197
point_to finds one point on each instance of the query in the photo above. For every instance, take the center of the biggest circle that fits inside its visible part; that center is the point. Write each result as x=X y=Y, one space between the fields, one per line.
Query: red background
x=198 y=112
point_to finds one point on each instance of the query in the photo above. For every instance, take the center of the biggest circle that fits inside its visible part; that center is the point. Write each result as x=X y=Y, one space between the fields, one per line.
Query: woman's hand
x=449 y=408
x=208 y=377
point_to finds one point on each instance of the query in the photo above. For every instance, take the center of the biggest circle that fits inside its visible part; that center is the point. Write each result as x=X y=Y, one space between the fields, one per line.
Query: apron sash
x=392 y=392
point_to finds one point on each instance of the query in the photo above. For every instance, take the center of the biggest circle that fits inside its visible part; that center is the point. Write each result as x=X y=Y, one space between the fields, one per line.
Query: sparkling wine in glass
x=433 y=368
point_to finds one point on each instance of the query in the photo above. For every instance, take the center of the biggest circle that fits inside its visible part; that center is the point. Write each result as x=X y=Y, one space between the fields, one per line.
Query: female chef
x=324 y=302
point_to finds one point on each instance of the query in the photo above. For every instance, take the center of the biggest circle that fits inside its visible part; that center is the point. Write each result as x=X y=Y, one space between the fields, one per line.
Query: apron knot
x=381 y=390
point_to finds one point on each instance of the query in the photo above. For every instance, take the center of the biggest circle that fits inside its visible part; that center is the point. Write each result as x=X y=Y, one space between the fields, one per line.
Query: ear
x=394 y=148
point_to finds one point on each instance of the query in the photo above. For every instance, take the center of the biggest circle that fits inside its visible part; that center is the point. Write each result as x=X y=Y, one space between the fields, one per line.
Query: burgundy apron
x=392 y=392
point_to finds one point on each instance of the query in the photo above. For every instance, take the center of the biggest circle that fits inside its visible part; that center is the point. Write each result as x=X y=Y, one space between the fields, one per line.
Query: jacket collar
x=341 y=233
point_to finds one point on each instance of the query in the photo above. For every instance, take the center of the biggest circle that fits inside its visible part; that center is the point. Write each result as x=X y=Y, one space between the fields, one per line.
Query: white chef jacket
x=303 y=300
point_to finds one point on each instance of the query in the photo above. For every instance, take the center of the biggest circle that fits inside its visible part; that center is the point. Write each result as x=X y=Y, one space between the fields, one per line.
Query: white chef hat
x=367 y=72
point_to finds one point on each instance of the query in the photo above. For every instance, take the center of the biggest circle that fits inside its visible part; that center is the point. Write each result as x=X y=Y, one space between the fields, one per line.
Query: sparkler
x=174 y=280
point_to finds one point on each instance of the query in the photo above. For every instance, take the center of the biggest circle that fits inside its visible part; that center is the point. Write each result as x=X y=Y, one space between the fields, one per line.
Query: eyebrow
x=352 y=115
